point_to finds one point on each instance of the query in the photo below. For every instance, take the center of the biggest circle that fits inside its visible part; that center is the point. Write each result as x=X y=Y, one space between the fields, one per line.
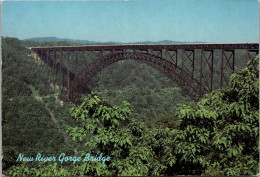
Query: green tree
x=220 y=133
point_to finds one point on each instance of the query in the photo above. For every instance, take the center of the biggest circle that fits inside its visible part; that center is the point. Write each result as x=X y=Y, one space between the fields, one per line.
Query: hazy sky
x=134 y=21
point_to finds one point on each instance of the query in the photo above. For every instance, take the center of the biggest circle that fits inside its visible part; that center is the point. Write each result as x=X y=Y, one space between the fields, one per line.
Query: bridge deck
x=186 y=46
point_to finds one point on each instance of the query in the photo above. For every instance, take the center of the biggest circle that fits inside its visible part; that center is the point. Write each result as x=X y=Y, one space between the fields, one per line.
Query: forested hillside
x=28 y=102
x=133 y=118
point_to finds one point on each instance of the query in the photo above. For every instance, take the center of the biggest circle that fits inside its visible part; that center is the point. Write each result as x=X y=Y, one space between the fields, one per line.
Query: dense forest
x=135 y=116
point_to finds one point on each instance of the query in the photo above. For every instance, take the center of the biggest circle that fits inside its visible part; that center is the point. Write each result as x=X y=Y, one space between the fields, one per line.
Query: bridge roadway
x=204 y=46
x=194 y=75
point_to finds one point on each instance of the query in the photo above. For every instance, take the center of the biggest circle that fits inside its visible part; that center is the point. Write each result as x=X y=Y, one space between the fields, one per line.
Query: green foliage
x=26 y=123
x=133 y=147
x=41 y=170
x=9 y=158
x=102 y=124
x=171 y=122
x=221 y=131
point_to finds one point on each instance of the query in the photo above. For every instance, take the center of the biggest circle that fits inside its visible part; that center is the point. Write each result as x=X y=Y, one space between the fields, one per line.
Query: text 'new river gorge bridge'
x=196 y=68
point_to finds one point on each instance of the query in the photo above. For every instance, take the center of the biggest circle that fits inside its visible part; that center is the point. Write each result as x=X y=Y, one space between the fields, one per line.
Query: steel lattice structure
x=196 y=68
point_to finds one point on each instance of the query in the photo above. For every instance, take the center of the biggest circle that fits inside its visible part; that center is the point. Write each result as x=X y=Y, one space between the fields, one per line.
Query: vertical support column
x=176 y=53
x=41 y=59
x=233 y=59
x=84 y=56
x=62 y=74
x=182 y=61
x=100 y=59
x=246 y=55
x=212 y=69
x=113 y=53
x=68 y=74
x=76 y=53
x=85 y=59
x=150 y=51
x=48 y=58
x=193 y=63
x=102 y=55
x=53 y=52
x=92 y=58
x=182 y=65
x=54 y=68
x=37 y=60
x=201 y=52
x=221 y=69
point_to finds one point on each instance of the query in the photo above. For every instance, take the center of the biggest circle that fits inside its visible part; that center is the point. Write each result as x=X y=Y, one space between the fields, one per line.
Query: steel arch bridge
x=196 y=68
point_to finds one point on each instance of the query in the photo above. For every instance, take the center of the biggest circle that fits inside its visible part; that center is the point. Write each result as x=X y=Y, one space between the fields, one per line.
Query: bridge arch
x=183 y=79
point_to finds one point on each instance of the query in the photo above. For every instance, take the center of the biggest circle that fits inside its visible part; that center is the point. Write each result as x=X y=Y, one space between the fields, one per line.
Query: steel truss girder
x=162 y=57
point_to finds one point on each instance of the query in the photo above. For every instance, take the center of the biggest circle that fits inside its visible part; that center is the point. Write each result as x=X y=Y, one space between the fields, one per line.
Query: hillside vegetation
x=133 y=118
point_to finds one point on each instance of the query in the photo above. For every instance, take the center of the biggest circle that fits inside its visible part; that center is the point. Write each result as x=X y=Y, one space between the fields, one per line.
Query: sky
x=216 y=21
